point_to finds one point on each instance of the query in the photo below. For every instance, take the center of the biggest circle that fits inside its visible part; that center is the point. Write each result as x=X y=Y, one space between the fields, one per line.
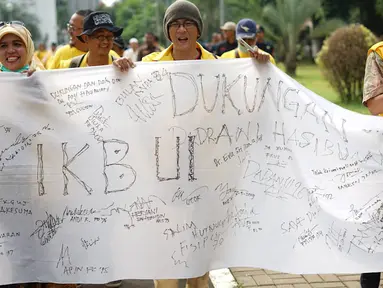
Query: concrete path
x=250 y=277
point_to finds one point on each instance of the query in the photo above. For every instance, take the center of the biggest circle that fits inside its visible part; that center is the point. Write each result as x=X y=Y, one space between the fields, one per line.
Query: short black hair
x=151 y=33
x=261 y=29
x=84 y=13
x=53 y=44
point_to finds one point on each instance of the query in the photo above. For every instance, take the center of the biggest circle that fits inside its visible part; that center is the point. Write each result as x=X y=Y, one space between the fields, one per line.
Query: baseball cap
x=228 y=26
x=99 y=20
x=246 y=28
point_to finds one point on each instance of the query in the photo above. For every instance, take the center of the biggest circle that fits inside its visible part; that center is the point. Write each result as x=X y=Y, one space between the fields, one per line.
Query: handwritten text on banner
x=175 y=169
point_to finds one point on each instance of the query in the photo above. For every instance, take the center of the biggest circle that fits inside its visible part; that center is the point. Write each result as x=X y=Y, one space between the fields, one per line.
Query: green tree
x=286 y=18
x=138 y=17
x=344 y=68
x=379 y=7
x=210 y=16
x=15 y=12
x=368 y=13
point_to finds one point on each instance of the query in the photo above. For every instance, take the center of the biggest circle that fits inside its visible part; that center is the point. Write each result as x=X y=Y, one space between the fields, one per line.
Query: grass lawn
x=311 y=77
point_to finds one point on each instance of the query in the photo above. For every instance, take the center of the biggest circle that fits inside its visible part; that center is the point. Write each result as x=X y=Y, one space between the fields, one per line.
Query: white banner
x=178 y=168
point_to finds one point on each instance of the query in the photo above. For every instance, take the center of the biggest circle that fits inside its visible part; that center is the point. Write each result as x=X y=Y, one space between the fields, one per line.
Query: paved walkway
x=250 y=277
x=137 y=284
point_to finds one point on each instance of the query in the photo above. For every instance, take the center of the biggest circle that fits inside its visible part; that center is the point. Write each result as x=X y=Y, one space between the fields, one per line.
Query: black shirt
x=266 y=46
x=145 y=50
x=224 y=47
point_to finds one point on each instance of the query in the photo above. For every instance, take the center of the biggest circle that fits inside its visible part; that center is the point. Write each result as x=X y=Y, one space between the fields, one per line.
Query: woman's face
x=13 y=53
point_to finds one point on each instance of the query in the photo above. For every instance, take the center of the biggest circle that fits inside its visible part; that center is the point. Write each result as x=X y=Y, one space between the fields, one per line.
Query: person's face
x=53 y=48
x=228 y=34
x=75 y=28
x=260 y=36
x=13 y=53
x=183 y=34
x=215 y=38
x=42 y=47
x=149 y=39
x=100 y=42
x=134 y=45
x=251 y=42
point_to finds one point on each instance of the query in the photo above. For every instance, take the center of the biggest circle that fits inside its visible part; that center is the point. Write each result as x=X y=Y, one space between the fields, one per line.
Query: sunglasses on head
x=19 y=23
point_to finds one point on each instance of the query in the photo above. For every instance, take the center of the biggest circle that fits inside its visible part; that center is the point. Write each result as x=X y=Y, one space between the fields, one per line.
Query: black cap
x=99 y=20
x=119 y=42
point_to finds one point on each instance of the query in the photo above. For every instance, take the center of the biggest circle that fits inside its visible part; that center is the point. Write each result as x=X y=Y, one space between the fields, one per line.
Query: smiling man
x=75 y=46
x=99 y=33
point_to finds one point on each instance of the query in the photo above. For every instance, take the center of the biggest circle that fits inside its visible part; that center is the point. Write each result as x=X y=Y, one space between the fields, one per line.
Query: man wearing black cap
x=119 y=46
x=99 y=33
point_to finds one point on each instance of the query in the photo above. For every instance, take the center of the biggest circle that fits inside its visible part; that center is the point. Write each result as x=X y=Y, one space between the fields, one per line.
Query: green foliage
x=138 y=17
x=286 y=18
x=379 y=7
x=20 y=14
x=326 y=27
x=369 y=13
x=342 y=60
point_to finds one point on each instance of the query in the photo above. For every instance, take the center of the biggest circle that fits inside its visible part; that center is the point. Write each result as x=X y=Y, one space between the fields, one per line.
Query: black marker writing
x=40 y=170
x=66 y=170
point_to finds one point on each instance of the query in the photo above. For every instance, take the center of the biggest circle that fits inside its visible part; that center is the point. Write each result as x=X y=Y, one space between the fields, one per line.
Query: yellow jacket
x=84 y=63
x=166 y=55
x=378 y=48
x=231 y=55
x=65 y=53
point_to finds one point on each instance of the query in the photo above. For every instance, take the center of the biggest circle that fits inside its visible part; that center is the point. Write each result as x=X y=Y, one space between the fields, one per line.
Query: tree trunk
x=291 y=63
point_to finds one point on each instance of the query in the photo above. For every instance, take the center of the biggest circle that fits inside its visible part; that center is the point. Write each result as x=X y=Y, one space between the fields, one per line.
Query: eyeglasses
x=12 y=23
x=186 y=24
x=103 y=38
x=72 y=28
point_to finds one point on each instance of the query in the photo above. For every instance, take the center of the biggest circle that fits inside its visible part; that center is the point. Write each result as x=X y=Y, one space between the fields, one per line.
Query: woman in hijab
x=17 y=49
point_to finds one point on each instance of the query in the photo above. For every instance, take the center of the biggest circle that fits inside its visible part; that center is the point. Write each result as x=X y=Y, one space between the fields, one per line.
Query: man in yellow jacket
x=99 y=33
x=183 y=26
x=373 y=99
x=76 y=47
x=247 y=30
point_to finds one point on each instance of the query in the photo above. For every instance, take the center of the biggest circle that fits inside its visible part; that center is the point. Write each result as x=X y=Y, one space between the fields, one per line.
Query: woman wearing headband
x=17 y=49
